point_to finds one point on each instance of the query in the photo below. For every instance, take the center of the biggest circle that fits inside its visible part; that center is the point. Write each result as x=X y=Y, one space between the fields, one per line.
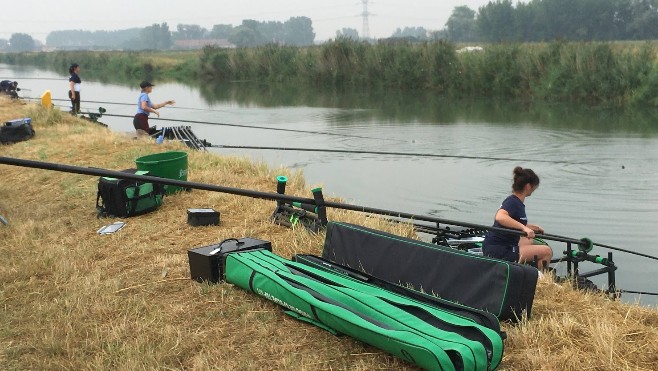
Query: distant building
x=200 y=43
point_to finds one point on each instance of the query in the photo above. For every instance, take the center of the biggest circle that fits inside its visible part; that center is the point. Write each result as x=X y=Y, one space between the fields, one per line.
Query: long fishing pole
x=264 y=128
x=253 y=126
x=250 y=193
x=135 y=104
x=639 y=292
x=614 y=248
x=390 y=153
x=279 y=197
x=326 y=150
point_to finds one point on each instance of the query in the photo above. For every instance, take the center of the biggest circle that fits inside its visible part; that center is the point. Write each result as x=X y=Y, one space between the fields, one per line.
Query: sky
x=39 y=17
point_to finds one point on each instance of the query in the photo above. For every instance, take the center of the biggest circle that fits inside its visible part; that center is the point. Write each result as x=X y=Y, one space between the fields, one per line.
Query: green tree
x=156 y=36
x=461 y=26
x=21 y=42
x=271 y=32
x=348 y=33
x=190 y=32
x=418 y=33
x=495 y=21
x=221 y=31
x=644 y=18
x=246 y=34
x=299 y=31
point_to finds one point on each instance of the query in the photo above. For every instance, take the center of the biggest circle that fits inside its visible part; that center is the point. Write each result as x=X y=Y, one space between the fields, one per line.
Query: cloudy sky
x=38 y=17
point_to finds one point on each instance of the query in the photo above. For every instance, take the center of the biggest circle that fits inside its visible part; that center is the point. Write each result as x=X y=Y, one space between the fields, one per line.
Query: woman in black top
x=74 y=90
x=511 y=214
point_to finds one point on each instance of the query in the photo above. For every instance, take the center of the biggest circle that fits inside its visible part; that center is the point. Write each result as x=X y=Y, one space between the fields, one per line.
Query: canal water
x=598 y=167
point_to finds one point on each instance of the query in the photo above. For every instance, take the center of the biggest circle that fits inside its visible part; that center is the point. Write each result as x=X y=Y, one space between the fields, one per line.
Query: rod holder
x=321 y=208
x=281 y=181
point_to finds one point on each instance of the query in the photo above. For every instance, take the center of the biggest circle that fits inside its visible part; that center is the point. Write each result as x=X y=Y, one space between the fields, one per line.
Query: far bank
x=594 y=73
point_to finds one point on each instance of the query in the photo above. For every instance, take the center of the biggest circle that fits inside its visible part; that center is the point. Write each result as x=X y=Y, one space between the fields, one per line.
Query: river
x=598 y=167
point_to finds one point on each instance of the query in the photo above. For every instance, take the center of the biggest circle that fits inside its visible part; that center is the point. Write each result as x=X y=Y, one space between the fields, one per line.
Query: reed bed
x=610 y=73
x=73 y=299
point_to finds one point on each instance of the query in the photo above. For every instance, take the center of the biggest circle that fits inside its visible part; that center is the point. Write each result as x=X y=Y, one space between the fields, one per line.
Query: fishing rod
x=585 y=243
x=265 y=128
x=34 y=78
x=135 y=104
x=238 y=125
x=255 y=194
x=614 y=248
x=390 y=153
x=124 y=104
x=639 y=292
x=147 y=178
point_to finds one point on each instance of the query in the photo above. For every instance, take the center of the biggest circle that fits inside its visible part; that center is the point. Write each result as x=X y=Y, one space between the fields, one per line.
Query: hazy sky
x=38 y=17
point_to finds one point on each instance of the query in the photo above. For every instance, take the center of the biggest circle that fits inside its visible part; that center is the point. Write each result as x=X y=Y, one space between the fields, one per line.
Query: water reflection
x=406 y=107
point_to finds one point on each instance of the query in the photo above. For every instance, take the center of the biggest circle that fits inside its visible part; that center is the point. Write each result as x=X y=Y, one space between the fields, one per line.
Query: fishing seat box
x=502 y=288
x=208 y=263
x=202 y=217
x=16 y=131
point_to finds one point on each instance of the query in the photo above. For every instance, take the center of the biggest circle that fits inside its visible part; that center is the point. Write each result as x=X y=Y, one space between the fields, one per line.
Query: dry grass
x=72 y=299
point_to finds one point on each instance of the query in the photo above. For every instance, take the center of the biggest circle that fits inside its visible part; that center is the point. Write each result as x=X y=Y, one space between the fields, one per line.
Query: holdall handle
x=219 y=245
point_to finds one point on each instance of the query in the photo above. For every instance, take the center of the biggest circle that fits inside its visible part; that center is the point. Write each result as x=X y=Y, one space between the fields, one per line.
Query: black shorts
x=509 y=252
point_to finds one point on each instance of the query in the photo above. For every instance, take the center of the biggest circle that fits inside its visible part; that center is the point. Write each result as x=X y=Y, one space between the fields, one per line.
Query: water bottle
x=160 y=139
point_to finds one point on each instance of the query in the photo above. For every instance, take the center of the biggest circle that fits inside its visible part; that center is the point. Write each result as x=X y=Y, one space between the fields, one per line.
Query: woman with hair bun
x=509 y=246
x=74 y=88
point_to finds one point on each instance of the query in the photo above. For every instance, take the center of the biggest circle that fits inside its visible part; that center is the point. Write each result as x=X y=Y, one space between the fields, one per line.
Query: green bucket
x=172 y=165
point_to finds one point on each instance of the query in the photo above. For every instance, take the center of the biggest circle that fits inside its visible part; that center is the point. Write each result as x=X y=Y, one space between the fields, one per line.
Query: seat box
x=208 y=263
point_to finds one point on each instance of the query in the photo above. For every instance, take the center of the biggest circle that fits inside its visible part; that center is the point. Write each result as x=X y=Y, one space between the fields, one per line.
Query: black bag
x=499 y=287
x=126 y=197
x=16 y=131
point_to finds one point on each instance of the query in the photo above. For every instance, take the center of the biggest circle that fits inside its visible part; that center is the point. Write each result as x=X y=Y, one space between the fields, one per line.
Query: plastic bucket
x=172 y=165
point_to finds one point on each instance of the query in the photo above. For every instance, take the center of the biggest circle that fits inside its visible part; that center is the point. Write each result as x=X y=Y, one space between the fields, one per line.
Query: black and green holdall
x=126 y=197
x=429 y=337
x=502 y=288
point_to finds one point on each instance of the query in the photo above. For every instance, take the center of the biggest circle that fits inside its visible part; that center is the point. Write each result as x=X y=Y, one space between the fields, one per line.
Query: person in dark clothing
x=145 y=107
x=512 y=247
x=10 y=88
x=74 y=88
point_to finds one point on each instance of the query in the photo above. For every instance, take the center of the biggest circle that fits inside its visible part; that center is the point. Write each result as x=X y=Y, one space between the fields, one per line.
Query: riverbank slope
x=72 y=299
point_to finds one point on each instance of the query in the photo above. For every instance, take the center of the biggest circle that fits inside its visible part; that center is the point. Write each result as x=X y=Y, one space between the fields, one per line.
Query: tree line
x=499 y=20
x=545 y=20
x=296 y=31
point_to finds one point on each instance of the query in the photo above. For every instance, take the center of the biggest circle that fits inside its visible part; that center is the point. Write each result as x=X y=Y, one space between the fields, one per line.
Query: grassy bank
x=72 y=299
x=612 y=73
x=114 y=66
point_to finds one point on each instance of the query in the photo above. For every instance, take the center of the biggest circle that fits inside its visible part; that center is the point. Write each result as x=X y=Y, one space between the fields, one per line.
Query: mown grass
x=72 y=299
